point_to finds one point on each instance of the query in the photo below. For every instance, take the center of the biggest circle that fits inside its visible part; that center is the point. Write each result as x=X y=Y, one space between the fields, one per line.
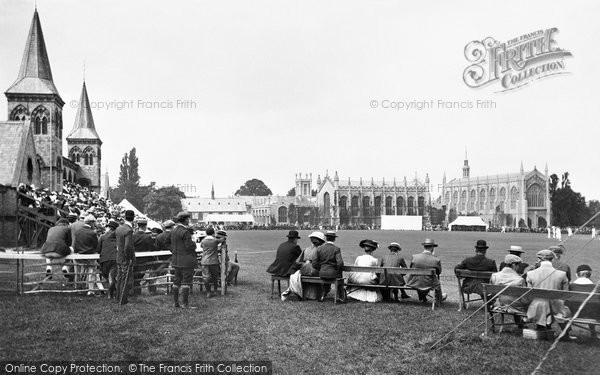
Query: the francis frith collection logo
x=515 y=63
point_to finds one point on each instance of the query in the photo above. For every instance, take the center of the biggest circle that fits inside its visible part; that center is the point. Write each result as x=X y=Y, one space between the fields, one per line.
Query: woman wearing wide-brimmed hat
x=365 y=278
x=393 y=259
x=304 y=267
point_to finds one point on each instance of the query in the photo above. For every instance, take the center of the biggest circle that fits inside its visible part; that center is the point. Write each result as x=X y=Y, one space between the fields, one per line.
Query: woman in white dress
x=365 y=278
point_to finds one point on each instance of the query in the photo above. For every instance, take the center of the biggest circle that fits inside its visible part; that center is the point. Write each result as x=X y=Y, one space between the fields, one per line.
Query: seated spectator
x=286 y=255
x=479 y=262
x=583 y=284
x=330 y=265
x=509 y=275
x=304 y=266
x=365 y=278
x=393 y=259
x=86 y=242
x=540 y=310
x=558 y=251
x=57 y=245
x=518 y=251
x=424 y=283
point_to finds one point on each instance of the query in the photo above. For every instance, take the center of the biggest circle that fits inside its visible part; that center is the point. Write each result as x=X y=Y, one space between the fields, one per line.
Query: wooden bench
x=383 y=272
x=465 y=298
x=278 y=279
x=573 y=298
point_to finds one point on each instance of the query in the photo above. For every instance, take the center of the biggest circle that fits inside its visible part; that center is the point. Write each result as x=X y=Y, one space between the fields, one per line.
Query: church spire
x=35 y=75
x=212 y=191
x=84 y=127
x=466 y=168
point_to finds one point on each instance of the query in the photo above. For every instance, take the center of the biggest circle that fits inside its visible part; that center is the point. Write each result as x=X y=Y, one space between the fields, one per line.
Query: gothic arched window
x=463 y=200
x=400 y=206
x=389 y=210
x=38 y=126
x=326 y=204
x=282 y=214
x=20 y=113
x=535 y=196
x=44 y=125
x=472 y=198
x=482 y=199
x=492 y=199
x=502 y=198
x=513 y=198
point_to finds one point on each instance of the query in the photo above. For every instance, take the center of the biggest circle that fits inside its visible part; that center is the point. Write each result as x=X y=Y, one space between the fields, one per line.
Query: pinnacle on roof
x=84 y=127
x=35 y=75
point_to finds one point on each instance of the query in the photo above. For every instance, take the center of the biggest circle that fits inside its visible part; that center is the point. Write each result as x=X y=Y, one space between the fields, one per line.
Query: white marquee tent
x=471 y=222
x=125 y=204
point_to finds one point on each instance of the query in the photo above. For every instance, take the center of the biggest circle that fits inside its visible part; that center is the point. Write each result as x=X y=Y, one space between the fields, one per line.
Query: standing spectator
x=210 y=260
x=232 y=267
x=330 y=264
x=125 y=257
x=393 y=259
x=183 y=260
x=107 y=247
x=142 y=242
x=286 y=255
x=86 y=242
x=479 y=262
x=423 y=283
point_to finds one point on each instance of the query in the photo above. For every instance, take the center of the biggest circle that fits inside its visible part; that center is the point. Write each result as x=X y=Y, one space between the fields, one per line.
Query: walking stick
x=126 y=282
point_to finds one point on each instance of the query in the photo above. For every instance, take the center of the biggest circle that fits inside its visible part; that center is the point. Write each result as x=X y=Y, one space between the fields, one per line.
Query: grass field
x=299 y=336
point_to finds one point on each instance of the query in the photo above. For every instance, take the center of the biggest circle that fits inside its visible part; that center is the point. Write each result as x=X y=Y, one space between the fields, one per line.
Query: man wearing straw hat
x=421 y=282
x=517 y=251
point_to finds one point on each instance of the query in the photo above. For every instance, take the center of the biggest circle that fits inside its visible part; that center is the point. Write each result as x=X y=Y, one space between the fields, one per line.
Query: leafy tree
x=437 y=215
x=129 y=181
x=254 y=187
x=163 y=203
x=568 y=206
x=593 y=208
x=291 y=192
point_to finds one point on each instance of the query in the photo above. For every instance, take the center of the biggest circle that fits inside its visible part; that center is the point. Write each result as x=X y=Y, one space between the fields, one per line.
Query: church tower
x=466 y=168
x=34 y=99
x=303 y=185
x=85 y=145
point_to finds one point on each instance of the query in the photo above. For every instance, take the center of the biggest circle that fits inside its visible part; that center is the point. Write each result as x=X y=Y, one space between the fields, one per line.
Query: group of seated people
x=549 y=272
x=323 y=259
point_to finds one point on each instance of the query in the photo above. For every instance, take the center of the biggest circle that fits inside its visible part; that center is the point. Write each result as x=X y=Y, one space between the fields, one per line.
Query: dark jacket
x=143 y=242
x=479 y=262
x=329 y=261
x=107 y=246
x=286 y=256
x=74 y=228
x=125 y=249
x=392 y=260
x=163 y=242
x=183 y=248
x=58 y=240
x=86 y=240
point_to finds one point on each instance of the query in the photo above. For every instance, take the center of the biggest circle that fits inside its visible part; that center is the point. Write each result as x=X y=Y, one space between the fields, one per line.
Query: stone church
x=511 y=199
x=35 y=106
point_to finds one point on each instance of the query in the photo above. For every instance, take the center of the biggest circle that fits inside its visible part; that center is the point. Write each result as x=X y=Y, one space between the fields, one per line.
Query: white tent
x=471 y=222
x=125 y=204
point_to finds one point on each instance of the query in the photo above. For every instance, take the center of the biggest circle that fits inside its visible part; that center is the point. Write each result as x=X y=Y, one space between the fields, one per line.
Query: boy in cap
x=393 y=259
x=143 y=242
x=210 y=260
x=583 y=284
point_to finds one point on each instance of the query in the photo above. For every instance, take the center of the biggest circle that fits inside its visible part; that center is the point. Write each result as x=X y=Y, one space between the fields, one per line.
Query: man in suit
x=86 y=242
x=423 y=283
x=509 y=275
x=541 y=310
x=517 y=251
x=479 y=262
x=286 y=255
x=329 y=262
x=557 y=263
x=107 y=248
x=142 y=242
x=125 y=257
x=183 y=260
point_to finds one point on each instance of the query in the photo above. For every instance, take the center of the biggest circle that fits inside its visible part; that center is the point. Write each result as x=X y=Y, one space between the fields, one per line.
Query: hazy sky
x=280 y=87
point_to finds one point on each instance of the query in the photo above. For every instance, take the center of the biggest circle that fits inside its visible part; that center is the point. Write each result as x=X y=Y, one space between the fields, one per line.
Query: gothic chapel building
x=35 y=110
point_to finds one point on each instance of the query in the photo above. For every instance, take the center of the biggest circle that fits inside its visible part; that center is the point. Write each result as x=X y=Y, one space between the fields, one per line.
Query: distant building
x=217 y=210
x=343 y=202
x=512 y=199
